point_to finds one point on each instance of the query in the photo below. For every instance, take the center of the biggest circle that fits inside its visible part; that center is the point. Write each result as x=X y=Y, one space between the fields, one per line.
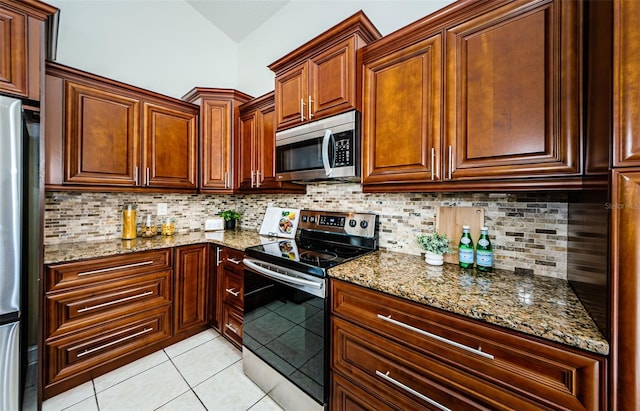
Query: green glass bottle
x=465 y=249
x=484 y=251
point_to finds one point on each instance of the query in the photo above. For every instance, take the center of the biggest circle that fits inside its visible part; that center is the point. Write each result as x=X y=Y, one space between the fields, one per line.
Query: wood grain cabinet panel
x=486 y=365
x=626 y=77
x=292 y=89
x=401 y=121
x=191 y=283
x=13 y=52
x=231 y=294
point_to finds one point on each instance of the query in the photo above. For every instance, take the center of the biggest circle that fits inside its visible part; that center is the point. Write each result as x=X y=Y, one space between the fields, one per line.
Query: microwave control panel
x=343 y=156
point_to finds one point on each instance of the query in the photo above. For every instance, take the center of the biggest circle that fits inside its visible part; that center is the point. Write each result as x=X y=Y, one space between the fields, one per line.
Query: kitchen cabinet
x=106 y=135
x=479 y=96
x=21 y=46
x=99 y=314
x=256 y=143
x=409 y=356
x=231 y=294
x=190 y=289
x=218 y=132
x=319 y=78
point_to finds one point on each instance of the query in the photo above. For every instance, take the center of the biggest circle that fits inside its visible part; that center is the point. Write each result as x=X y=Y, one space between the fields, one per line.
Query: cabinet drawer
x=552 y=376
x=349 y=397
x=231 y=327
x=406 y=378
x=83 y=307
x=89 y=272
x=232 y=260
x=80 y=352
x=232 y=289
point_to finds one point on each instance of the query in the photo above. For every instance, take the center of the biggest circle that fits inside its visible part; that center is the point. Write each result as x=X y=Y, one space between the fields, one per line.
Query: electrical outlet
x=162 y=208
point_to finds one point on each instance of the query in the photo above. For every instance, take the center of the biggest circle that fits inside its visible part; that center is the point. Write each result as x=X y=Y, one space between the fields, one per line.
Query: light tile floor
x=203 y=372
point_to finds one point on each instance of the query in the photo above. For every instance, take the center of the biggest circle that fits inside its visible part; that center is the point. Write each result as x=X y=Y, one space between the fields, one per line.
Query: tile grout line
x=95 y=393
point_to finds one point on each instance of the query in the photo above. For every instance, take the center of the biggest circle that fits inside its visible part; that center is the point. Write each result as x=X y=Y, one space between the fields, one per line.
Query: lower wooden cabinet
x=410 y=356
x=190 y=296
x=230 y=294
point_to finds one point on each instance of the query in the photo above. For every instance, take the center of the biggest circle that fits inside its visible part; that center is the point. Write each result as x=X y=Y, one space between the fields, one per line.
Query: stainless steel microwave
x=327 y=149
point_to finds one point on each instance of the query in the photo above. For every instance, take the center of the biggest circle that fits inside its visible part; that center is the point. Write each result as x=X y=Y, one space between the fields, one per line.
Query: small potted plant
x=435 y=246
x=230 y=218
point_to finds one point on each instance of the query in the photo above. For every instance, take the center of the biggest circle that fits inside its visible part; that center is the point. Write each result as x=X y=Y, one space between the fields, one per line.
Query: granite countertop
x=238 y=239
x=536 y=305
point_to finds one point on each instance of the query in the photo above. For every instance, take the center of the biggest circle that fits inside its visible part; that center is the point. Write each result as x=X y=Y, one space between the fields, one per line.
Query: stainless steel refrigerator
x=11 y=252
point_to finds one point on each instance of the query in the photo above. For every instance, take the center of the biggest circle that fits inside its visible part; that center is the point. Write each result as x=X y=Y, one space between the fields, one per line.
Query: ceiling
x=237 y=18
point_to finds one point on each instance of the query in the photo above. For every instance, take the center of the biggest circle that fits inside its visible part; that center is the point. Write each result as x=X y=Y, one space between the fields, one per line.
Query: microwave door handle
x=328 y=136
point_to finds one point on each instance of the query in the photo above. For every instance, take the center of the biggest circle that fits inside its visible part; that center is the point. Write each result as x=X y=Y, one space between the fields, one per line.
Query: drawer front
x=89 y=272
x=404 y=377
x=232 y=289
x=83 y=307
x=231 y=327
x=544 y=373
x=80 y=352
x=346 y=396
x=232 y=260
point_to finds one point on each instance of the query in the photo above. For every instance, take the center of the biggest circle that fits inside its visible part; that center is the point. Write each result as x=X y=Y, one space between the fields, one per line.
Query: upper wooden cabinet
x=22 y=46
x=106 y=135
x=218 y=115
x=626 y=94
x=256 y=143
x=481 y=95
x=318 y=79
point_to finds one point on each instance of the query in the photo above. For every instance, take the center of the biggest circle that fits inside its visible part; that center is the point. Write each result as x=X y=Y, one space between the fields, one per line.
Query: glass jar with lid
x=129 y=222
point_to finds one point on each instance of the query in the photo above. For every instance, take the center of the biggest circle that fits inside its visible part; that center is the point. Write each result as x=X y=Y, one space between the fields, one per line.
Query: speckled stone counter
x=541 y=306
x=238 y=239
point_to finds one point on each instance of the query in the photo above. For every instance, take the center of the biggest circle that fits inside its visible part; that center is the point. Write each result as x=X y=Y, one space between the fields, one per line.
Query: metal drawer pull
x=233 y=293
x=93 y=307
x=258 y=178
x=234 y=330
x=450 y=162
x=433 y=162
x=434 y=336
x=120 y=267
x=128 y=337
x=411 y=390
x=302 y=110
x=233 y=260
x=218 y=251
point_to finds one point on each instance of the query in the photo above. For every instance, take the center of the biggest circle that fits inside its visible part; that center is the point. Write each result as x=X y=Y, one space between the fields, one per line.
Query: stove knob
x=304 y=218
x=352 y=223
x=312 y=219
x=364 y=224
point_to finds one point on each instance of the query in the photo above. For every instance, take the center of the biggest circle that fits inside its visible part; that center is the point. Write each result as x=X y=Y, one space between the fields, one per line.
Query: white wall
x=301 y=20
x=163 y=46
x=167 y=47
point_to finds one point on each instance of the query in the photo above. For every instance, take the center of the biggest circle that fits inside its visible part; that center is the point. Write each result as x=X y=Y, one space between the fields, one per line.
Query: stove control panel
x=357 y=224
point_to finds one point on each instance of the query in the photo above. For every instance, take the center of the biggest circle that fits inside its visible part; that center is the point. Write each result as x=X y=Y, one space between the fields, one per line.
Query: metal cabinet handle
x=433 y=162
x=258 y=178
x=310 y=109
x=121 y=300
x=135 y=175
x=128 y=337
x=232 y=292
x=105 y=270
x=218 y=251
x=233 y=260
x=450 y=162
x=434 y=336
x=234 y=330
x=251 y=178
x=423 y=397
x=302 y=110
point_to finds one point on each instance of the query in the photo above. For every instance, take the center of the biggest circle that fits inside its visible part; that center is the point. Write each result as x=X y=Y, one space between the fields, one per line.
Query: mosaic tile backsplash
x=528 y=230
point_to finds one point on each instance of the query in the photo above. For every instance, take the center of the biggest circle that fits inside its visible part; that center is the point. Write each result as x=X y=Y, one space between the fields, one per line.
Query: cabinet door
x=266 y=147
x=512 y=92
x=626 y=94
x=102 y=136
x=332 y=78
x=13 y=52
x=190 y=303
x=625 y=284
x=247 y=146
x=401 y=115
x=170 y=146
x=217 y=146
x=292 y=96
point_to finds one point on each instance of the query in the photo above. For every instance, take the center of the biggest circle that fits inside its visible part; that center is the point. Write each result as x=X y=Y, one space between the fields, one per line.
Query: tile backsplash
x=528 y=230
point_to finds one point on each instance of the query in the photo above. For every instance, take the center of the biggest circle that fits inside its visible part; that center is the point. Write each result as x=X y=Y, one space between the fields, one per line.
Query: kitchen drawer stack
x=231 y=290
x=100 y=313
x=390 y=353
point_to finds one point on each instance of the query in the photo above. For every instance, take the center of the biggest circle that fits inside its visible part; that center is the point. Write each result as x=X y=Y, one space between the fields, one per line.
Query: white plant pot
x=433 y=259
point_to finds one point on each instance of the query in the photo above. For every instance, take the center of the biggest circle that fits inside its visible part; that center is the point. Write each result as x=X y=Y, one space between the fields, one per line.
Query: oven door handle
x=328 y=169
x=282 y=277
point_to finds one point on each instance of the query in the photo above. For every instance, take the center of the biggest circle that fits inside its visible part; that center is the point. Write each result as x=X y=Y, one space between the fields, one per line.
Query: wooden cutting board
x=449 y=221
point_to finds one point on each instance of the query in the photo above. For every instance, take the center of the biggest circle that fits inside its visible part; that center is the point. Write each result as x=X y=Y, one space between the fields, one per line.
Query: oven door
x=284 y=329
